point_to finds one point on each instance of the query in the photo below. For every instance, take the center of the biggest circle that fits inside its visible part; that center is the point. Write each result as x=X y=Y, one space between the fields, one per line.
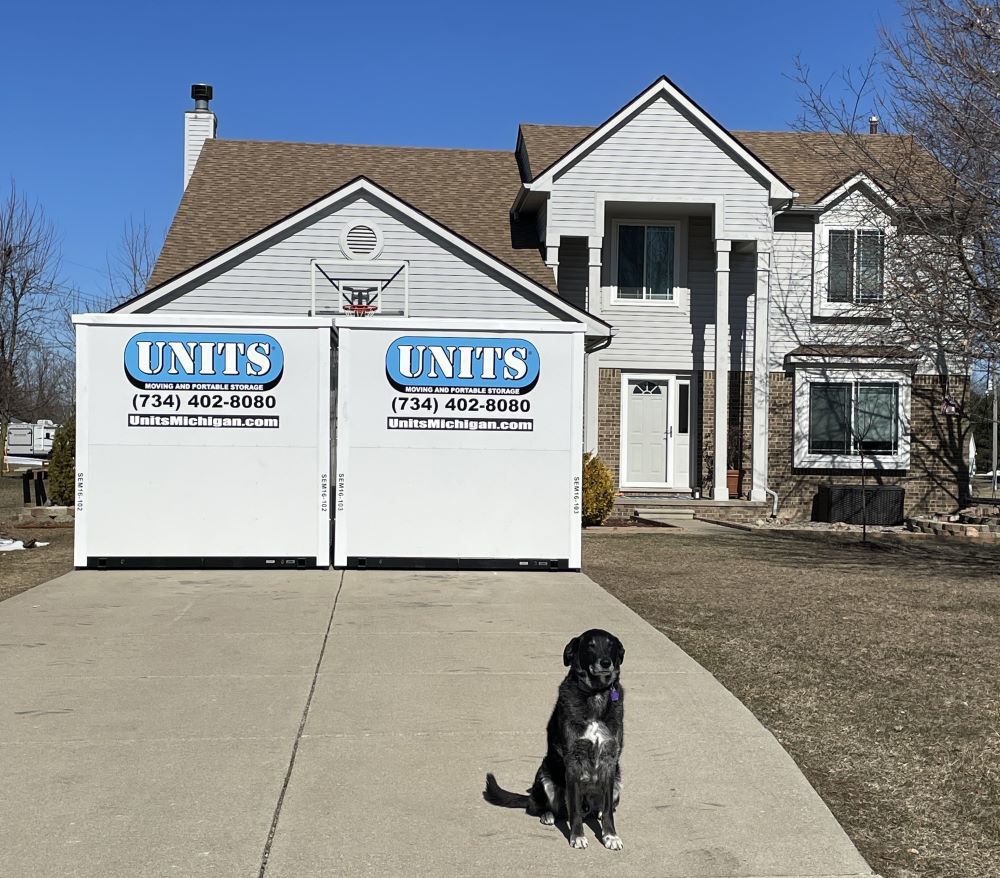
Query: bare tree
x=130 y=266
x=935 y=86
x=29 y=267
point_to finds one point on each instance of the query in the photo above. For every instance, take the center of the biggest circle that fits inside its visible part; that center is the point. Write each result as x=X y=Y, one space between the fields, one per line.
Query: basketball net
x=357 y=310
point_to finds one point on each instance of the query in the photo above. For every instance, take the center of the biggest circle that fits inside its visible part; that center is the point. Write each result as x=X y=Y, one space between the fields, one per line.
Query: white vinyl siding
x=790 y=317
x=659 y=152
x=442 y=283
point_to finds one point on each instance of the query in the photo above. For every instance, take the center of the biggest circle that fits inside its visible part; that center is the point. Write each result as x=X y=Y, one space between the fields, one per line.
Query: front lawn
x=22 y=570
x=876 y=668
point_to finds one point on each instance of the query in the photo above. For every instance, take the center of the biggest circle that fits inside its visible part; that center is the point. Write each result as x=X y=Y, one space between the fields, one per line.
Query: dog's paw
x=612 y=842
x=578 y=841
x=547 y=819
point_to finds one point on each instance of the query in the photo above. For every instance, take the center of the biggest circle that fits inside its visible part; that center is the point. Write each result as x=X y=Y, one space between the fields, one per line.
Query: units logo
x=203 y=360
x=442 y=364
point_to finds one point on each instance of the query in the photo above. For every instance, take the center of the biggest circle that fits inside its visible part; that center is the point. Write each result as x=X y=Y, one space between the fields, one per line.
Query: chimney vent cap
x=873 y=124
x=201 y=92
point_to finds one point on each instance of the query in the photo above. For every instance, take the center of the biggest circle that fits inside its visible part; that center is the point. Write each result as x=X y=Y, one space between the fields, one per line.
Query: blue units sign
x=457 y=365
x=203 y=361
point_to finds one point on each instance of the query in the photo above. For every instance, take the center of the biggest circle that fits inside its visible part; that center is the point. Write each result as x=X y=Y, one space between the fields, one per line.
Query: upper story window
x=647 y=255
x=856 y=269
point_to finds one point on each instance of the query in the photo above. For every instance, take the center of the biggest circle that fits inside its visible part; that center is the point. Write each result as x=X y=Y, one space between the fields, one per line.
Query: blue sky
x=95 y=92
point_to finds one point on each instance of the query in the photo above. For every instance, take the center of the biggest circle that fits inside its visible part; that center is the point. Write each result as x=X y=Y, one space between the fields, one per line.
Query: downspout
x=774 y=503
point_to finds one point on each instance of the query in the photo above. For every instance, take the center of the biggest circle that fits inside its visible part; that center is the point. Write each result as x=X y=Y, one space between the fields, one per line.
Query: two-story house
x=724 y=279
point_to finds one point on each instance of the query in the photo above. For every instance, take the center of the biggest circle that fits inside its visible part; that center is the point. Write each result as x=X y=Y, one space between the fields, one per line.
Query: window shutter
x=840 y=281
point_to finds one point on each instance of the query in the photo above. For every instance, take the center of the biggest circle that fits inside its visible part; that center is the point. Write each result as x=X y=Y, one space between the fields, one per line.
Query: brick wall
x=937 y=480
x=609 y=403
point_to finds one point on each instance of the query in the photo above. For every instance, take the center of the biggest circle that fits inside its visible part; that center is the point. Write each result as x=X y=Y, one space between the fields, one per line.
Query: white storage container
x=202 y=441
x=458 y=443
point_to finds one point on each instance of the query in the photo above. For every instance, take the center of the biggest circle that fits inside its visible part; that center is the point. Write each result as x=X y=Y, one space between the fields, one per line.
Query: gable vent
x=361 y=241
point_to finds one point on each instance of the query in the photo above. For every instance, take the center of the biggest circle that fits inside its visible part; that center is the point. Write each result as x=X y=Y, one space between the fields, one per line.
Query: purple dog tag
x=614 y=694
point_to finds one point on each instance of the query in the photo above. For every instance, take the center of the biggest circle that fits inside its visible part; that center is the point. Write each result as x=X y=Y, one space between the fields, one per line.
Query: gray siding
x=790 y=313
x=661 y=154
x=443 y=282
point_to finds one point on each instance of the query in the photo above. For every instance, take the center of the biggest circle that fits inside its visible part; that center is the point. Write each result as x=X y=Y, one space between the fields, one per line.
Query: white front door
x=656 y=431
x=647 y=411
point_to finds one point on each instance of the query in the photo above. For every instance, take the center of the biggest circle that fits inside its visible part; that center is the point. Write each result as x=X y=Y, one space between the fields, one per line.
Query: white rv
x=31 y=440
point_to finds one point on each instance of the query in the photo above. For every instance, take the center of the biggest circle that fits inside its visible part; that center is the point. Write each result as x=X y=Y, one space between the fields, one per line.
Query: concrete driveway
x=319 y=723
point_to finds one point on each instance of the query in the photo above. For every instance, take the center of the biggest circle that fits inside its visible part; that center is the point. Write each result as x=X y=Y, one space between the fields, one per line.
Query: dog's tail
x=495 y=795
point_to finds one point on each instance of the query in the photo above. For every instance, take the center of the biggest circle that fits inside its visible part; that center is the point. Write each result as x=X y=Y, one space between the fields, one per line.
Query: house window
x=647 y=388
x=856 y=265
x=646 y=255
x=683 y=408
x=854 y=417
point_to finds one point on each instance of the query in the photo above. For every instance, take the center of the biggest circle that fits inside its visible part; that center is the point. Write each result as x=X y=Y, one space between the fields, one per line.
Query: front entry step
x=665 y=514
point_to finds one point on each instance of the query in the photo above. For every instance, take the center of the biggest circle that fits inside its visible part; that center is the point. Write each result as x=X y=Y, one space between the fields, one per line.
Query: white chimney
x=199 y=125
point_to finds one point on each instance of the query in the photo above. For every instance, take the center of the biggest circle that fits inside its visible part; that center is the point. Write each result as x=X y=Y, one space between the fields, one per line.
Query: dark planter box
x=844 y=503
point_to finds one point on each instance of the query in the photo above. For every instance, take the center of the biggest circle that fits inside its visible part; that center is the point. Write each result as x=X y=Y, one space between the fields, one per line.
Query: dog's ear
x=570 y=651
x=619 y=652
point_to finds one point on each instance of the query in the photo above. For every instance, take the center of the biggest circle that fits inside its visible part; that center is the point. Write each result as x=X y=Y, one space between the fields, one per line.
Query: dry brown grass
x=20 y=571
x=875 y=667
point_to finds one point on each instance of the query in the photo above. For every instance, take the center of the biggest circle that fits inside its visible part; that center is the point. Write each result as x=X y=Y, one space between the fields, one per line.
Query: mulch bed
x=875 y=666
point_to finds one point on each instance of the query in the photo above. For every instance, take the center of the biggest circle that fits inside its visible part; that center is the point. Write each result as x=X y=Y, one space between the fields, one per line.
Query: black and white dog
x=580 y=773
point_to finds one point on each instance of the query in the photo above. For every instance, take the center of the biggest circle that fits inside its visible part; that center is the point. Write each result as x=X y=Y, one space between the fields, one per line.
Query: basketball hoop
x=360 y=288
x=356 y=310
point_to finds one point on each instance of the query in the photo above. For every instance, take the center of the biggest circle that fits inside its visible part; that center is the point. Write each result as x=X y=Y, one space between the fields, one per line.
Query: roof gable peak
x=662 y=87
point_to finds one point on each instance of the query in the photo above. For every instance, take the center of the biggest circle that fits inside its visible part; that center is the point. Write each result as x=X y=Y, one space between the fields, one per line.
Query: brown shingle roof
x=240 y=187
x=816 y=163
x=862 y=351
x=546 y=144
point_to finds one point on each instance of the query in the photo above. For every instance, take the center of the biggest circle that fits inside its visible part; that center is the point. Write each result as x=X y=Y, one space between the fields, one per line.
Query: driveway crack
x=298 y=737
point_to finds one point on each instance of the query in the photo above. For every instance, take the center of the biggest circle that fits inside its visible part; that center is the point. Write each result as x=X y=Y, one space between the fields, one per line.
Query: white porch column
x=761 y=373
x=722 y=250
x=594 y=246
x=591 y=376
x=552 y=259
